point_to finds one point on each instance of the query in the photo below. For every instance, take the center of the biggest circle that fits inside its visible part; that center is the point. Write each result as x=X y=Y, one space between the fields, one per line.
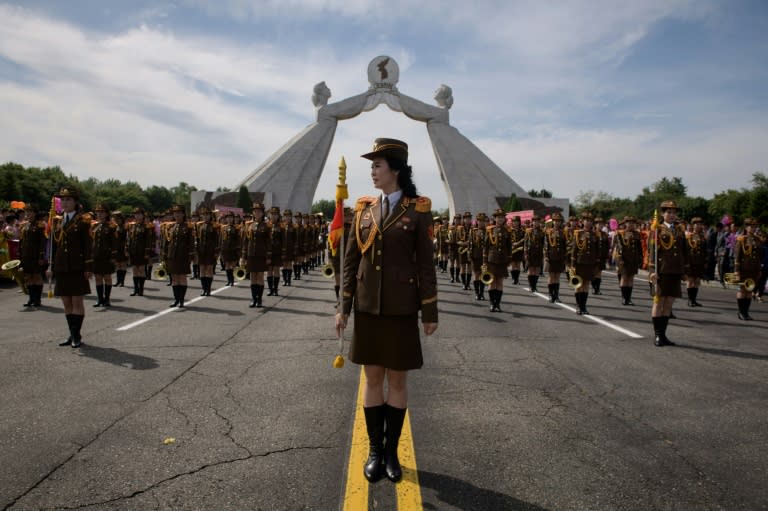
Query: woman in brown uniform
x=697 y=257
x=289 y=247
x=276 y=241
x=121 y=260
x=206 y=248
x=555 y=253
x=71 y=263
x=477 y=246
x=628 y=253
x=104 y=246
x=498 y=249
x=229 y=246
x=668 y=261
x=583 y=255
x=255 y=250
x=32 y=242
x=389 y=276
x=179 y=239
x=746 y=265
x=516 y=240
x=140 y=240
x=534 y=252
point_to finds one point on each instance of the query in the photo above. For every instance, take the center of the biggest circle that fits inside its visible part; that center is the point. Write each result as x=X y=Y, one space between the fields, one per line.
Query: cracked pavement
x=531 y=409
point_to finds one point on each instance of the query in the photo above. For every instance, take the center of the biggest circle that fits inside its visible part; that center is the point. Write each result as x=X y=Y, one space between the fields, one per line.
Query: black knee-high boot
x=744 y=304
x=99 y=296
x=289 y=275
x=254 y=295
x=107 y=294
x=499 y=294
x=182 y=294
x=175 y=296
x=195 y=271
x=482 y=291
x=286 y=277
x=596 y=285
x=515 y=276
x=296 y=271
x=695 y=293
x=68 y=340
x=269 y=285
x=629 y=296
x=476 y=285
x=375 y=417
x=453 y=277
x=142 y=281
x=584 y=297
x=336 y=290
x=275 y=285
x=77 y=324
x=394 y=426
x=557 y=292
x=551 y=290
x=135 y=286
x=120 y=278
x=663 y=322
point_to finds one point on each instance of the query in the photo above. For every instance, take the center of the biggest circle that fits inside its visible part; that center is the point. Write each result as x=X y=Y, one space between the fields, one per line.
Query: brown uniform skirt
x=389 y=341
x=669 y=285
x=71 y=284
x=499 y=271
x=556 y=266
x=586 y=271
x=256 y=264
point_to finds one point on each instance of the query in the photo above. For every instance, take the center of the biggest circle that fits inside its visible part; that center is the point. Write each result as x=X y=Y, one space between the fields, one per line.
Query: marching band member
x=139 y=241
x=103 y=250
x=583 y=256
x=389 y=277
x=180 y=248
x=668 y=261
x=229 y=245
x=603 y=251
x=697 y=255
x=121 y=259
x=255 y=251
x=555 y=253
x=533 y=251
x=32 y=241
x=453 y=248
x=747 y=255
x=516 y=239
x=289 y=247
x=496 y=256
x=462 y=234
x=628 y=253
x=476 y=248
x=299 y=253
x=71 y=262
x=206 y=248
x=441 y=236
x=277 y=240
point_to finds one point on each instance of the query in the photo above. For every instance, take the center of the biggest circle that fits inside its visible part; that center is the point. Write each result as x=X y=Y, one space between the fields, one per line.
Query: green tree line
x=37 y=185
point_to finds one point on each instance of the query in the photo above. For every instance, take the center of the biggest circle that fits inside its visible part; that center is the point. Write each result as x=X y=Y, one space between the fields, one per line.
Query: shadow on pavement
x=725 y=353
x=118 y=358
x=462 y=495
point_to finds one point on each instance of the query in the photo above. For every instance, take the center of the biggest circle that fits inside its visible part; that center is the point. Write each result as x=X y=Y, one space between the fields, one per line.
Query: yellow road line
x=408 y=490
x=356 y=491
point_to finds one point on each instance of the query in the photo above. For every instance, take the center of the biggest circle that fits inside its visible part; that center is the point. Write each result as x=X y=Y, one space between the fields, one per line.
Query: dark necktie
x=386 y=209
x=66 y=220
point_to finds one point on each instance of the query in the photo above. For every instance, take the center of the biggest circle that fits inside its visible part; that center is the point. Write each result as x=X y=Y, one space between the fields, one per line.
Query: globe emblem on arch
x=383 y=70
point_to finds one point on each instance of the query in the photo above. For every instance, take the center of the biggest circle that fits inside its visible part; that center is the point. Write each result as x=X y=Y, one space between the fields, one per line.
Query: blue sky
x=570 y=96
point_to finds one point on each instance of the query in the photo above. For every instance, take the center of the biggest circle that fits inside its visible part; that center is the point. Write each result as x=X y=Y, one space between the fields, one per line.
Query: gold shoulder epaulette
x=423 y=204
x=364 y=201
x=741 y=237
x=87 y=218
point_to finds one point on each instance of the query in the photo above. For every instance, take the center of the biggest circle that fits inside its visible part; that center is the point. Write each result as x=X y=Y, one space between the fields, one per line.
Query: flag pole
x=341 y=194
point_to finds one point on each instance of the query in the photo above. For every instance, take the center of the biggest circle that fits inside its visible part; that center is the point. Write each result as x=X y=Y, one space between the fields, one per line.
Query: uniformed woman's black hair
x=404 y=176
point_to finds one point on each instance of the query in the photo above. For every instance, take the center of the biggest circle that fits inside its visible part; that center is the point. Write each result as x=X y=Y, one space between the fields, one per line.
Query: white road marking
x=166 y=311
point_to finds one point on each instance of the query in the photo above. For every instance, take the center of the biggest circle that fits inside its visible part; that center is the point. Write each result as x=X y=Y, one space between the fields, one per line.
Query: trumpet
x=574 y=280
x=328 y=271
x=14 y=266
x=240 y=273
x=486 y=277
x=160 y=272
x=733 y=278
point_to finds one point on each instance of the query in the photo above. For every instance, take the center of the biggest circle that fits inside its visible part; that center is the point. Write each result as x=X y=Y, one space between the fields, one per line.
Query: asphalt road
x=532 y=409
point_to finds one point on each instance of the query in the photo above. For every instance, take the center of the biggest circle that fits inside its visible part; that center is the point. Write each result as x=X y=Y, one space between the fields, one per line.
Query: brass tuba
x=328 y=271
x=486 y=277
x=160 y=272
x=240 y=273
x=574 y=280
x=14 y=267
x=732 y=278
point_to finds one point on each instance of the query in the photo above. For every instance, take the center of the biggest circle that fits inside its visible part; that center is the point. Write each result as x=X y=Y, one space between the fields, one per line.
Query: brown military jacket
x=104 y=247
x=139 y=242
x=388 y=268
x=497 y=245
x=672 y=255
x=477 y=244
x=534 y=247
x=555 y=245
x=256 y=240
x=746 y=257
x=517 y=241
x=32 y=242
x=697 y=253
x=584 y=247
x=207 y=242
x=180 y=244
x=72 y=249
x=628 y=251
x=229 y=243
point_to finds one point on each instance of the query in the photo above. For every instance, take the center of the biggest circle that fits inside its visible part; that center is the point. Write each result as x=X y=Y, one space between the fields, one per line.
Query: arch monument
x=473 y=182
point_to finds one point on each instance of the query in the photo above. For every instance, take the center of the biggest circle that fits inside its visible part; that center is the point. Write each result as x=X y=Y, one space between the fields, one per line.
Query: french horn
x=160 y=272
x=574 y=280
x=486 y=277
x=240 y=273
x=14 y=267
x=732 y=278
x=328 y=271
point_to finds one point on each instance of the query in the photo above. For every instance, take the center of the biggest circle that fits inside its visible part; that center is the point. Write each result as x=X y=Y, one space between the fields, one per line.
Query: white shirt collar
x=393 y=197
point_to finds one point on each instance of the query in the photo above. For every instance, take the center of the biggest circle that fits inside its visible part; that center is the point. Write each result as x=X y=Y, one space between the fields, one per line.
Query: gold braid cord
x=364 y=245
